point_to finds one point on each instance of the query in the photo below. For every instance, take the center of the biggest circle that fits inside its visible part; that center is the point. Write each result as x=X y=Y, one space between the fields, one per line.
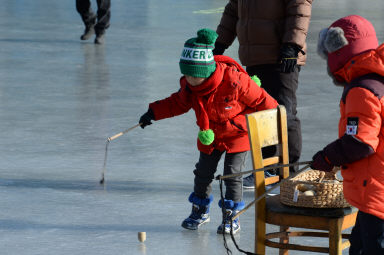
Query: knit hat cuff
x=203 y=71
x=336 y=60
x=346 y=38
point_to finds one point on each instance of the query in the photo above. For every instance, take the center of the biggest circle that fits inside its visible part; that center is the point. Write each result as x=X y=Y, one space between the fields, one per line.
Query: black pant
x=206 y=168
x=367 y=237
x=83 y=7
x=282 y=87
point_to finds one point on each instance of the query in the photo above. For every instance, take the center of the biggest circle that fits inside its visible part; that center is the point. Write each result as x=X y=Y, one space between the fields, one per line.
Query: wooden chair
x=267 y=128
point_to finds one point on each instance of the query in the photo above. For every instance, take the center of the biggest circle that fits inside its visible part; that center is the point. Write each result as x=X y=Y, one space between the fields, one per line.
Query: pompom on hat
x=197 y=57
x=344 y=39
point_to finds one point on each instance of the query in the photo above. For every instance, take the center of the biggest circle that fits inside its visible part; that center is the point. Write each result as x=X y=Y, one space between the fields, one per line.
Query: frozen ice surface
x=61 y=98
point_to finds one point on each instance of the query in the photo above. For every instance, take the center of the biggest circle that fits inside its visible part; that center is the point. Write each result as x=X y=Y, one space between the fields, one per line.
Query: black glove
x=288 y=57
x=146 y=118
x=219 y=49
x=321 y=163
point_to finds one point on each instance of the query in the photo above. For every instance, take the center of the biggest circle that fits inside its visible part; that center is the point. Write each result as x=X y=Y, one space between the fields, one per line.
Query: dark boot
x=199 y=214
x=89 y=29
x=100 y=37
x=231 y=209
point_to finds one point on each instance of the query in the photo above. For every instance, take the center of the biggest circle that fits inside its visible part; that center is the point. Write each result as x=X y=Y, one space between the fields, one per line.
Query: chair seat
x=273 y=204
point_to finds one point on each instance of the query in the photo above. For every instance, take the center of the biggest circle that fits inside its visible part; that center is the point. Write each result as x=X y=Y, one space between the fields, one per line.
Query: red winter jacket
x=235 y=95
x=360 y=148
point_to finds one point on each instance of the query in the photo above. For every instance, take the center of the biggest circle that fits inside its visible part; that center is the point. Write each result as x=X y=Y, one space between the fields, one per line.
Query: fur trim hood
x=345 y=39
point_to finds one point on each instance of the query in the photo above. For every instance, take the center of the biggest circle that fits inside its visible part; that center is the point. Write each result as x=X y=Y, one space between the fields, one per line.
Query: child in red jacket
x=356 y=62
x=221 y=93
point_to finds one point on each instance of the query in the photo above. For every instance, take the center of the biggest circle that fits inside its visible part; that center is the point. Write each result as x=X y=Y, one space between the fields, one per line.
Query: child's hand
x=320 y=162
x=146 y=118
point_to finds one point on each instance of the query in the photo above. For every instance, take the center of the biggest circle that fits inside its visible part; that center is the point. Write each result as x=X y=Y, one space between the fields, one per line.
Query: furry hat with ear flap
x=345 y=38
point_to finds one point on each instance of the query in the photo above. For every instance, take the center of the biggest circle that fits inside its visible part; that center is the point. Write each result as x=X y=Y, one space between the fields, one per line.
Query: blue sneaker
x=249 y=181
x=199 y=214
x=231 y=209
x=225 y=227
x=198 y=217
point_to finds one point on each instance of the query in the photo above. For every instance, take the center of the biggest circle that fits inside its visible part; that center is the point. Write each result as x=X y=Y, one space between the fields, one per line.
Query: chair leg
x=260 y=221
x=335 y=239
x=284 y=240
x=260 y=237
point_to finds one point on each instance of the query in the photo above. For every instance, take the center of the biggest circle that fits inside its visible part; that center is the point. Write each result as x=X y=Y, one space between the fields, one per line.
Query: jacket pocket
x=236 y=125
x=239 y=123
x=225 y=107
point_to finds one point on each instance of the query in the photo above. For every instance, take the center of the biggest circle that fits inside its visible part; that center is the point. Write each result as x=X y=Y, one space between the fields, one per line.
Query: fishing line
x=105 y=162
x=229 y=252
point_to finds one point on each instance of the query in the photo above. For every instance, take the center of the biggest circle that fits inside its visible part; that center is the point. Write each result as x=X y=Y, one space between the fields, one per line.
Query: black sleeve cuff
x=347 y=149
x=219 y=49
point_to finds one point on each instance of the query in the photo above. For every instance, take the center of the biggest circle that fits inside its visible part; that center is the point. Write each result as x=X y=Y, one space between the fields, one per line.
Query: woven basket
x=314 y=189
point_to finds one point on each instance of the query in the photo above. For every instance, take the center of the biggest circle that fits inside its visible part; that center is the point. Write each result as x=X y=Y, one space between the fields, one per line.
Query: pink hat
x=346 y=38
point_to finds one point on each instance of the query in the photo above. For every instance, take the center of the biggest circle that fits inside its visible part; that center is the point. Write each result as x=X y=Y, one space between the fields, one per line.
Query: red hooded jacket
x=360 y=148
x=225 y=98
x=356 y=60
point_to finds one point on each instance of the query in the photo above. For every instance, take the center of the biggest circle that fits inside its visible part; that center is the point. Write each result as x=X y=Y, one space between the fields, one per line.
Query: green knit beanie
x=197 y=58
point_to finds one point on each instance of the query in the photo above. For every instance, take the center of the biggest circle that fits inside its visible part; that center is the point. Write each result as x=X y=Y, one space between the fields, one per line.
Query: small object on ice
x=142 y=236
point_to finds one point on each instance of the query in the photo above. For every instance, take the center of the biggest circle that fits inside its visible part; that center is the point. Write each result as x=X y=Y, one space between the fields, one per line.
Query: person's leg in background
x=103 y=18
x=83 y=7
x=282 y=87
x=286 y=95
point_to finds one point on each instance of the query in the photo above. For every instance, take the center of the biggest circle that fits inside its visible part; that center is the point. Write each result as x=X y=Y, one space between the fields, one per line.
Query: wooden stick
x=123 y=132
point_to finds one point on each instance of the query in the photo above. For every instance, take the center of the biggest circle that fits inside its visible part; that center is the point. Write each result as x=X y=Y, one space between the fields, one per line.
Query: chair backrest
x=267 y=128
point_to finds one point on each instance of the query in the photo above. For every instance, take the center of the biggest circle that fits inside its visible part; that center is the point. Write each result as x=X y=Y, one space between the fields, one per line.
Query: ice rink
x=61 y=98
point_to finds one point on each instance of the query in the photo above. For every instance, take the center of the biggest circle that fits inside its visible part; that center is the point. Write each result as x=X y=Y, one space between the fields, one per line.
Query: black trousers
x=282 y=87
x=206 y=168
x=84 y=8
x=367 y=237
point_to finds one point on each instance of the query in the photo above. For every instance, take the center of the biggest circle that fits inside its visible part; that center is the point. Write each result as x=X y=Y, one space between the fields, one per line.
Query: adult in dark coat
x=271 y=37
